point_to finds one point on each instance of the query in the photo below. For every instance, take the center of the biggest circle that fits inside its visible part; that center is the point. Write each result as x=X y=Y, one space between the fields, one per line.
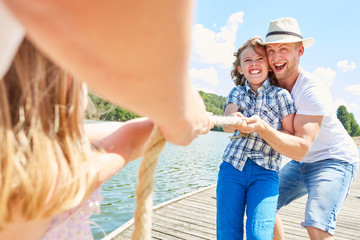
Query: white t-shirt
x=312 y=97
x=12 y=34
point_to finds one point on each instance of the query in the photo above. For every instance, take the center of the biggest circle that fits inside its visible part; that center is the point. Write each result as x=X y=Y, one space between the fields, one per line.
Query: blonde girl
x=49 y=172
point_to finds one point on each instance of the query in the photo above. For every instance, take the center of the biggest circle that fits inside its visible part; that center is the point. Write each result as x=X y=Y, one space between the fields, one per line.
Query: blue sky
x=220 y=27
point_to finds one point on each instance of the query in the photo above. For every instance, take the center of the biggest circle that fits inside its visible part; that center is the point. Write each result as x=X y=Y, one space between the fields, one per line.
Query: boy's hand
x=242 y=126
x=254 y=123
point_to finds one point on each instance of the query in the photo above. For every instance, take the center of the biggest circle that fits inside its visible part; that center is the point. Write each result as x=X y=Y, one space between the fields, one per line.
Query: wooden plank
x=193 y=216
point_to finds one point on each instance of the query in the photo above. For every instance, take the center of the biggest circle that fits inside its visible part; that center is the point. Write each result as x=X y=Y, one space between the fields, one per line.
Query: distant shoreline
x=357 y=141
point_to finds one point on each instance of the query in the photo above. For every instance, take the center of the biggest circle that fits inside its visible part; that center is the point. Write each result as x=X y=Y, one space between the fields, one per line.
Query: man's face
x=284 y=59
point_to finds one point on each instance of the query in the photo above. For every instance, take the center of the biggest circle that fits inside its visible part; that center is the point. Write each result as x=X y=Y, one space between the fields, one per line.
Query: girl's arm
x=99 y=130
x=123 y=145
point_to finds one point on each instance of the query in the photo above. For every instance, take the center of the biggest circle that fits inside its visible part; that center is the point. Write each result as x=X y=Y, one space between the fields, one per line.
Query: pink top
x=74 y=224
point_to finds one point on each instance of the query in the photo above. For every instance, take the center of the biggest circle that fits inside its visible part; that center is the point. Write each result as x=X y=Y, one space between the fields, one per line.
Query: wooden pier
x=193 y=217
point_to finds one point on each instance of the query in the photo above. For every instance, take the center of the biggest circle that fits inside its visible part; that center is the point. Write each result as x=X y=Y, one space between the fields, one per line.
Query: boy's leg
x=261 y=203
x=291 y=188
x=230 y=203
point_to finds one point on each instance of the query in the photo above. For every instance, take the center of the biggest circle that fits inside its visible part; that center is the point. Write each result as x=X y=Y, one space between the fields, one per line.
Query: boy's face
x=284 y=59
x=254 y=66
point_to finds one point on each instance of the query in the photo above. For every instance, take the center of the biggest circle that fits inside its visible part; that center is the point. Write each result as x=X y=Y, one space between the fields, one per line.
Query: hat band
x=284 y=33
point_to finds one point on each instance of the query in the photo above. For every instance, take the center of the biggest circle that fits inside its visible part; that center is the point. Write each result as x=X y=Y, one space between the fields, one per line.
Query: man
x=325 y=157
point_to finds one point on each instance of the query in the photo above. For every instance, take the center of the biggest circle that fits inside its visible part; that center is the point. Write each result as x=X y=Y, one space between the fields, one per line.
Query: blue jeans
x=327 y=184
x=253 y=188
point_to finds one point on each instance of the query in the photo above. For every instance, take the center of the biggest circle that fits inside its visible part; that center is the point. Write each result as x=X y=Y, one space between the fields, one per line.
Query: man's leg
x=317 y=234
x=314 y=233
x=279 y=233
x=328 y=183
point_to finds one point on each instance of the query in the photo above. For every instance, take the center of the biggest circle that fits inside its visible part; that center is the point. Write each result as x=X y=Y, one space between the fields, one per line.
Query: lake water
x=180 y=170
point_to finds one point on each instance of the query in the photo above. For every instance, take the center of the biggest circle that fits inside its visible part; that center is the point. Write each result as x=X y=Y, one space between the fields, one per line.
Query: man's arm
x=293 y=146
x=287 y=124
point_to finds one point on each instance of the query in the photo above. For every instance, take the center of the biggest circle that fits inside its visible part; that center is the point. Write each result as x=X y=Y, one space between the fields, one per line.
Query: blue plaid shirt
x=271 y=104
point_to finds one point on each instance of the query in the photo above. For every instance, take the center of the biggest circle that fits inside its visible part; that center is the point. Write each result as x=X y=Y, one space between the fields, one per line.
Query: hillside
x=100 y=109
x=214 y=104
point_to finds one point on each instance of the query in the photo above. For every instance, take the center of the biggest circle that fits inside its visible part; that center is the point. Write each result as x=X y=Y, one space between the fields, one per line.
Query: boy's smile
x=254 y=66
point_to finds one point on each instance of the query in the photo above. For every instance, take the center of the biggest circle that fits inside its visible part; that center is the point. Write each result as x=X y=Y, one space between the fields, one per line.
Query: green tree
x=214 y=104
x=348 y=121
x=354 y=126
x=100 y=109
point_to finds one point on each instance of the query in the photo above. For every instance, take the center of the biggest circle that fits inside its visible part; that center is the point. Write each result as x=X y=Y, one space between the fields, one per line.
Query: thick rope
x=221 y=120
x=142 y=216
x=145 y=186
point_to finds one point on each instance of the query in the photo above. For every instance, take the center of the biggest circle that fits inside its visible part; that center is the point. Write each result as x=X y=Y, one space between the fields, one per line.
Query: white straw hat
x=286 y=30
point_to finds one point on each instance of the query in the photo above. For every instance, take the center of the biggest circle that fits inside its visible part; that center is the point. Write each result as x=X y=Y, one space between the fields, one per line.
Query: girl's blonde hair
x=45 y=166
x=236 y=76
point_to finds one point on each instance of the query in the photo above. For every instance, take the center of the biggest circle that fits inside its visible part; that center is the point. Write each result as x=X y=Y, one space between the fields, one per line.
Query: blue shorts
x=327 y=184
x=254 y=189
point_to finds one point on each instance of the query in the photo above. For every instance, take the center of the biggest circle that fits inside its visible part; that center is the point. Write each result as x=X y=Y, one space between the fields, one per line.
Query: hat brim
x=307 y=42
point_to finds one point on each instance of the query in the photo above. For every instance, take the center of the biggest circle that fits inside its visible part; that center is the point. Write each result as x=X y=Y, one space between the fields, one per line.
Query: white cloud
x=228 y=32
x=354 y=89
x=207 y=90
x=208 y=75
x=338 y=102
x=209 y=47
x=345 y=66
x=354 y=109
x=326 y=75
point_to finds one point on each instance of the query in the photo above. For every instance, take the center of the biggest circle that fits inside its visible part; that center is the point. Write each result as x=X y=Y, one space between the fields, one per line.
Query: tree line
x=100 y=109
x=348 y=121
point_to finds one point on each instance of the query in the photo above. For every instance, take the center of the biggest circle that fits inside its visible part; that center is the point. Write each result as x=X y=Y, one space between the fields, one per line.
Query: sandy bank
x=357 y=141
